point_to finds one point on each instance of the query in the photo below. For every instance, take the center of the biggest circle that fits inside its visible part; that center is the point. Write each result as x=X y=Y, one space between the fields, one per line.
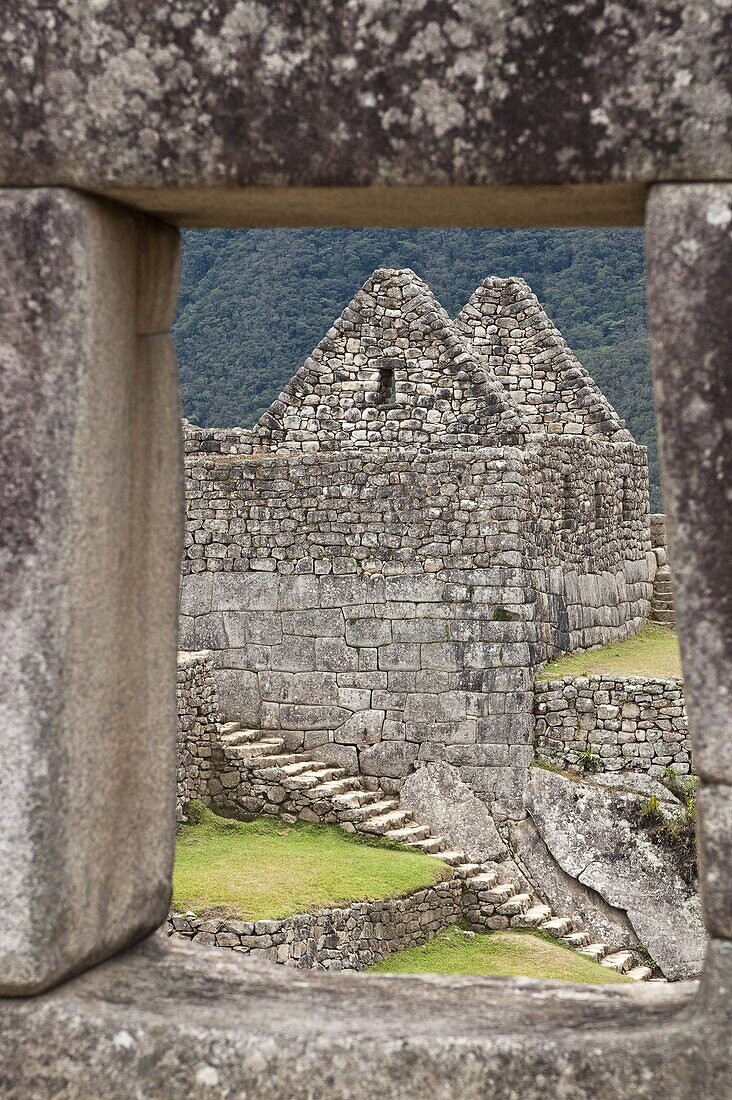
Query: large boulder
x=566 y=895
x=437 y=796
x=593 y=834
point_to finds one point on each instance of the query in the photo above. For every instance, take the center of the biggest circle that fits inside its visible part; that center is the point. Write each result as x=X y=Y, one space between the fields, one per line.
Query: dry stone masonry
x=419 y=521
x=254 y=774
x=207 y=113
x=349 y=937
x=608 y=724
x=198 y=729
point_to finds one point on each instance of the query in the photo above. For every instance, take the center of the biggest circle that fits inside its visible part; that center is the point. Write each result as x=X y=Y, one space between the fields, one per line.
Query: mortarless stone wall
x=379 y=566
x=349 y=937
x=631 y=724
x=198 y=733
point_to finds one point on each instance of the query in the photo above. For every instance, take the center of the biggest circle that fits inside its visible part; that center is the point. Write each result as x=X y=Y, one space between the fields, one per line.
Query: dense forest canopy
x=254 y=303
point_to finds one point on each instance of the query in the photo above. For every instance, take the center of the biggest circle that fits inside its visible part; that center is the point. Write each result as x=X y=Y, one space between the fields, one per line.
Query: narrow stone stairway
x=318 y=791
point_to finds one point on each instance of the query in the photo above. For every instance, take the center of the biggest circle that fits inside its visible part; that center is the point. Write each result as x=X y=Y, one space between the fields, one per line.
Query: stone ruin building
x=430 y=510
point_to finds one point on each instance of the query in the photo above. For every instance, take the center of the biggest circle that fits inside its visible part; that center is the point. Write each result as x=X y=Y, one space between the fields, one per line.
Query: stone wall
x=197 y=729
x=506 y=324
x=634 y=724
x=388 y=606
x=351 y=937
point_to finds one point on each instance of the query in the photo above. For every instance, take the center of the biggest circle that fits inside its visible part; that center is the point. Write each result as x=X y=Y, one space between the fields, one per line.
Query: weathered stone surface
x=239 y=698
x=87 y=660
x=628 y=724
x=593 y=835
x=689 y=249
x=437 y=795
x=166 y=1021
x=204 y=95
x=563 y=892
x=409 y=500
x=715 y=856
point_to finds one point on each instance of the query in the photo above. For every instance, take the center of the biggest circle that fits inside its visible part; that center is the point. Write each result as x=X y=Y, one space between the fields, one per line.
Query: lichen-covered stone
x=166 y=1020
x=203 y=95
x=435 y=793
x=87 y=660
x=594 y=836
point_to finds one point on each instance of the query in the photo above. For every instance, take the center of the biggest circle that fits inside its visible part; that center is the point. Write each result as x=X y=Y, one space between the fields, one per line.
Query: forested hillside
x=254 y=303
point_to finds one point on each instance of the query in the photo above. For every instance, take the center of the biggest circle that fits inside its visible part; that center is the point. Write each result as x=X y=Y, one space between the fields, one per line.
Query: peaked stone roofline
x=392 y=368
x=505 y=322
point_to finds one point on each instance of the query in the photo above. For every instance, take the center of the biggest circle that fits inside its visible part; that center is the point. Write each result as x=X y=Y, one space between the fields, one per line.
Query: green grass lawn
x=511 y=953
x=265 y=868
x=654 y=651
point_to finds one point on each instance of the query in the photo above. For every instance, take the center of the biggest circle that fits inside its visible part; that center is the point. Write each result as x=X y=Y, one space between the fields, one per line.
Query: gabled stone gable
x=505 y=323
x=393 y=369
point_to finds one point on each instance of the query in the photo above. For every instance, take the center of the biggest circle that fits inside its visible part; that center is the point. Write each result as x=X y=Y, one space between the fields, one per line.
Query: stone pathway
x=319 y=791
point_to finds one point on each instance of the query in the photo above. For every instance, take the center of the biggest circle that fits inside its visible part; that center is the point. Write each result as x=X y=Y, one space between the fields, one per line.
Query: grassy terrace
x=654 y=651
x=265 y=868
x=508 y=954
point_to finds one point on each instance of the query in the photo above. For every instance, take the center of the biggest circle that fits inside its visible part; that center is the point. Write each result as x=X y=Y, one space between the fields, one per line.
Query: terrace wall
x=634 y=724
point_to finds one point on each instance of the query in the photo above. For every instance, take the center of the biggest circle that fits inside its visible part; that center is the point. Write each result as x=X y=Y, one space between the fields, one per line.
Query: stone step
x=382 y=806
x=352 y=800
x=226 y=728
x=409 y=832
x=466 y=870
x=268 y=747
x=499 y=894
x=536 y=914
x=335 y=786
x=288 y=764
x=622 y=961
x=596 y=951
x=577 y=939
x=381 y=824
x=431 y=845
x=515 y=905
x=558 y=926
x=306 y=780
x=486 y=880
x=639 y=973
x=240 y=737
x=452 y=857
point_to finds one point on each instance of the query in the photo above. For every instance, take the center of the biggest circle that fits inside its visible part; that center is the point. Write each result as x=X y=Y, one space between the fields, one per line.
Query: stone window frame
x=677 y=1029
x=116 y=129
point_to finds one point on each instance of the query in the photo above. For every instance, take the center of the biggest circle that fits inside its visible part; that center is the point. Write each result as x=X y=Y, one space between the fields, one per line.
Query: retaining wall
x=351 y=937
x=633 y=724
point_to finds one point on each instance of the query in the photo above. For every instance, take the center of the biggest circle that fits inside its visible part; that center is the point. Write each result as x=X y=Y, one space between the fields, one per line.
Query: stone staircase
x=662 y=600
x=317 y=791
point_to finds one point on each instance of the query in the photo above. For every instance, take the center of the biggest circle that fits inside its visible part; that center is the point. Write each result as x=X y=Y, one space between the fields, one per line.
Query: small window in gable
x=599 y=502
x=386 y=384
x=627 y=500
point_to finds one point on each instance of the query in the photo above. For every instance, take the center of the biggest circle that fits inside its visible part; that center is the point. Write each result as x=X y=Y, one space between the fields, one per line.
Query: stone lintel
x=204 y=94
